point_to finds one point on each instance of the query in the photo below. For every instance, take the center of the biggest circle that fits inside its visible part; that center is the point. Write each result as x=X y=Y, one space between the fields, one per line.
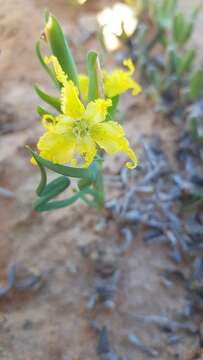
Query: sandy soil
x=52 y=322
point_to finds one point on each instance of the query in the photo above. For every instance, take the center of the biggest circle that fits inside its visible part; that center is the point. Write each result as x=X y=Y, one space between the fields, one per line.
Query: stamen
x=80 y=128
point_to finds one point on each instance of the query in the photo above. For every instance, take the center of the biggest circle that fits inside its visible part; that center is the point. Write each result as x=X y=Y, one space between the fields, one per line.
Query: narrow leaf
x=94 y=74
x=187 y=61
x=60 y=48
x=51 y=100
x=82 y=183
x=53 y=189
x=43 y=180
x=112 y=110
x=53 y=205
x=56 y=186
x=196 y=86
x=66 y=170
x=41 y=111
x=45 y=66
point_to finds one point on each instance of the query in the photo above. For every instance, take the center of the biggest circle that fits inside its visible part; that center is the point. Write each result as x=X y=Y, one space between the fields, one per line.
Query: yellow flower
x=120 y=81
x=79 y=130
x=115 y=83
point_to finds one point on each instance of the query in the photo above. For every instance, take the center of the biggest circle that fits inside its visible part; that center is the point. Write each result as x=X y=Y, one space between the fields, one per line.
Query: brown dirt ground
x=56 y=313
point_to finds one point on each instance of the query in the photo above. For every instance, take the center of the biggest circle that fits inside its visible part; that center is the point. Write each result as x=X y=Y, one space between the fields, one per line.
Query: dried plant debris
x=106 y=279
x=156 y=196
x=104 y=347
x=168 y=325
x=20 y=278
x=158 y=203
x=5 y=193
x=138 y=343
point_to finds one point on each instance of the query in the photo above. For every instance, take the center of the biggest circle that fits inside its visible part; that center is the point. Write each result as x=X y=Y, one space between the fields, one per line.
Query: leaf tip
x=49 y=24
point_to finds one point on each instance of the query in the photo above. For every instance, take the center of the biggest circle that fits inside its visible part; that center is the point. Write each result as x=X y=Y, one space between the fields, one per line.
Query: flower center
x=80 y=128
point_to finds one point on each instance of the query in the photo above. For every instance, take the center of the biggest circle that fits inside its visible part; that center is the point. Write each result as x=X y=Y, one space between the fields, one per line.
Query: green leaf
x=95 y=90
x=164 y=13
x=46 y=192
x=53 y=189
x=194 y=130
x=183 y=28
x=66 y=170
x=45 y=66
x=178 y=28
x=173 y=61
x=61 y=49
x=168 y=7
x=196 y=85
x=191 y=24
x=53 y=205
x=43 y=180
x=41 y=111
x=82 y=183
x=51 y=100
x=186 y=62
x=112 y=110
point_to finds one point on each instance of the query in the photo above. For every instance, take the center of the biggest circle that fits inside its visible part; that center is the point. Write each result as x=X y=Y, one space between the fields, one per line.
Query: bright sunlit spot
x=113 y=20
